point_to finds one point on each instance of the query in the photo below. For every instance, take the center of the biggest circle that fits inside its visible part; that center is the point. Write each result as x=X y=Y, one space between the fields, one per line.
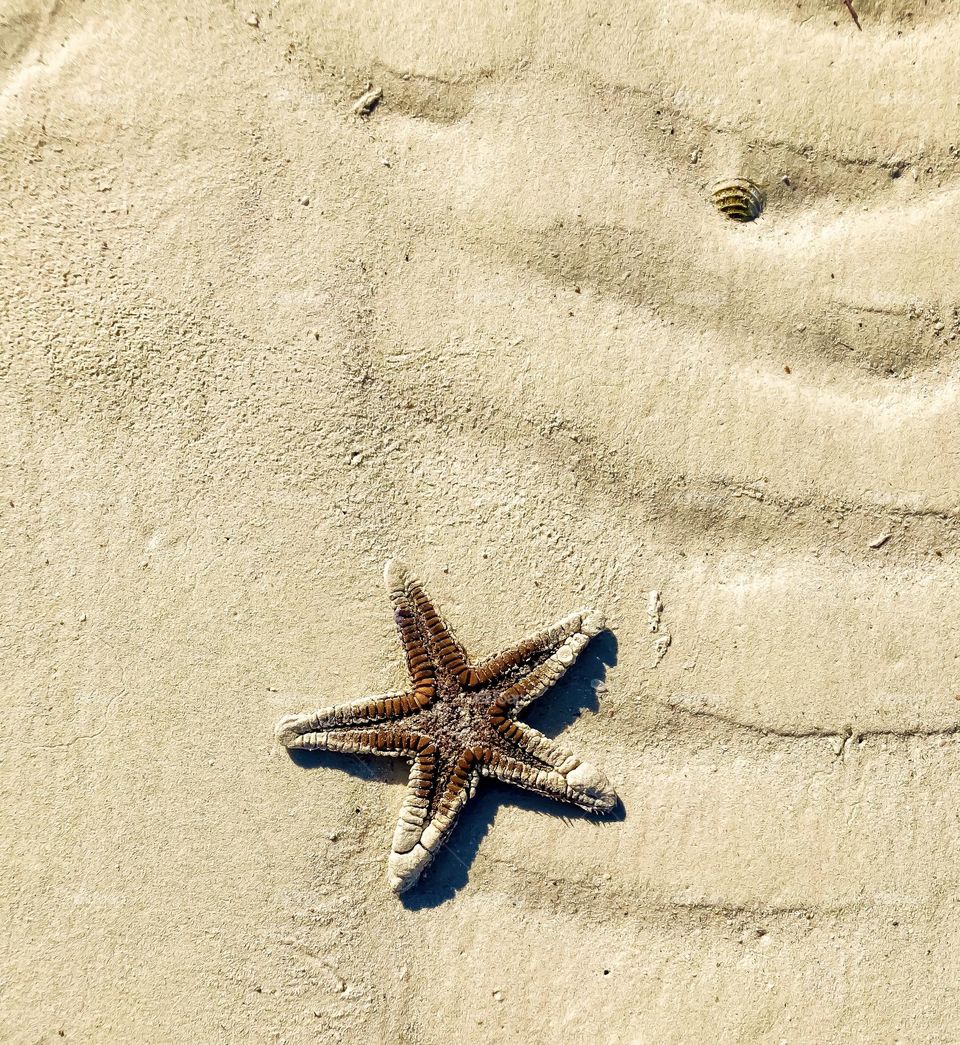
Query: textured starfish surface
x=456 y=723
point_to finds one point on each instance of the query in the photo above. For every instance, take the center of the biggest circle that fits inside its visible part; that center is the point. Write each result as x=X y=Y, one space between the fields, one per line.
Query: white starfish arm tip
x=287 y=729
x=593 y=624
x=394 y=574
x=591 y=785
x=403 y=869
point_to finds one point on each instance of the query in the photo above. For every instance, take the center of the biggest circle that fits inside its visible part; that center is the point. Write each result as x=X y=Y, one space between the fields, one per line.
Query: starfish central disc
x=456 y=723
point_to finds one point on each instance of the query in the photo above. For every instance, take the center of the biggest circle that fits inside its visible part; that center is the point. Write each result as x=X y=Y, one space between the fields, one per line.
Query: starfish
x=457 y=722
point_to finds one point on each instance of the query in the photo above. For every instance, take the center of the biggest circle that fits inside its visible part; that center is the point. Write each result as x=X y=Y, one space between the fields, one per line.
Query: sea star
x=457 y=723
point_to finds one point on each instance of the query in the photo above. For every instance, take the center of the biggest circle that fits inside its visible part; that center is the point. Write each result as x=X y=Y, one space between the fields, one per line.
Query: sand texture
x=253 y=343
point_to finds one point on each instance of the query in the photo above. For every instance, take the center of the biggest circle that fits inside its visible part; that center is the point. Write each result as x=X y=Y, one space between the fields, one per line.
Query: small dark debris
x=848 y=4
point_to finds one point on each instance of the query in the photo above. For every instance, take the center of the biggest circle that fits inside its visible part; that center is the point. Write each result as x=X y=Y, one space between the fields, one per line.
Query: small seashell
x=738 y=199
x=368 y=101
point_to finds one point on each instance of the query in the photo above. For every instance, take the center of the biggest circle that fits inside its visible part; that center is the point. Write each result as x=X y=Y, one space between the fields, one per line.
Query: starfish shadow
x=575 y=693
x=355 y=765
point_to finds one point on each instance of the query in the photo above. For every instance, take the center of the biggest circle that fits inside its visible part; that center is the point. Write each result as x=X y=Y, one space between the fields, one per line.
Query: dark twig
x=853 y=14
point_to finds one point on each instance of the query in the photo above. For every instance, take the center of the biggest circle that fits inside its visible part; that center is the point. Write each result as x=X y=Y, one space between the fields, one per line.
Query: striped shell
x=738 y=199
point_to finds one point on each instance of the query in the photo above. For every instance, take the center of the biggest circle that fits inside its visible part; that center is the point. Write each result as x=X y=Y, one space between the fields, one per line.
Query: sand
x=254 y=344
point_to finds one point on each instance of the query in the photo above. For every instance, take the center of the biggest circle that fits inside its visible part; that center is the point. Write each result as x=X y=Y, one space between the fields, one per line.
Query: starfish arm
x=442 y=647
x=534 y=770
x=419 y=664
x=534 y=649
x=331 y=729
x=546 y=674
x=435 y=797
x=524 y=741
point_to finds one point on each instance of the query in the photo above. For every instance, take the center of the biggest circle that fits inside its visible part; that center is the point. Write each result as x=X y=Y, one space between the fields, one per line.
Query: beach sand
x=253 y=344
